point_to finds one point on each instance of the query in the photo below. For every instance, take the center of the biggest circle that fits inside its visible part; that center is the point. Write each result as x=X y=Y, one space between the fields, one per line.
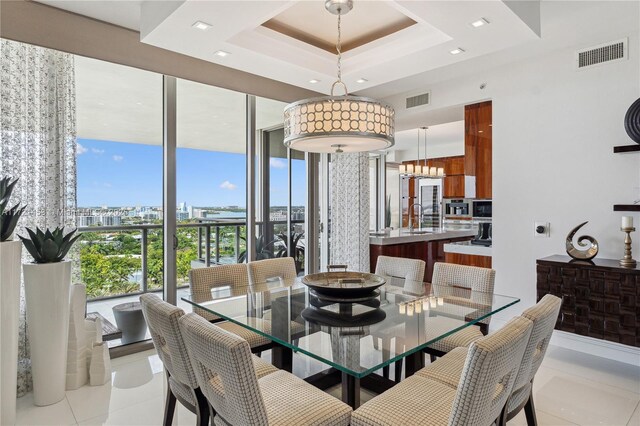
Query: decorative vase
x=632 y=121
x=47 y=295
x=10 y=254
x=83 y=333
x=100 y=370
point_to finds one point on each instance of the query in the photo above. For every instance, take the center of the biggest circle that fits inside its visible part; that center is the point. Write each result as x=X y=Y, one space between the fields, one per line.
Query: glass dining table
x=354 y=338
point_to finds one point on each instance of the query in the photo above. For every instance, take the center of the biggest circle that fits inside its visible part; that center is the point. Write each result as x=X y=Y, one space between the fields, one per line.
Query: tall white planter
x=10 y=252
x=47 y=296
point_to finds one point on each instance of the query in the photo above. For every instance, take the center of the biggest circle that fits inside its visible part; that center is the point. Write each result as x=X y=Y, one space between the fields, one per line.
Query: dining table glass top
x=355 y=337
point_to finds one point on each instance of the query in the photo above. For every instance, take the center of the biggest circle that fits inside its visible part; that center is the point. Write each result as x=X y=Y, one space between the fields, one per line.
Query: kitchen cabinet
x=453 y=186
x=468 y=259
x=454 y=166
x=478 y=146
x=454 y=169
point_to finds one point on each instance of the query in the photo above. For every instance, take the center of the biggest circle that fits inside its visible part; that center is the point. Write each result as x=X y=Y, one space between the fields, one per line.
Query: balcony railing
x=209 y=244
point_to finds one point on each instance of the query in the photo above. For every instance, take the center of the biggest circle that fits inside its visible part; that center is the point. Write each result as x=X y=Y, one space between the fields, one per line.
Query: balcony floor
x=105 y=308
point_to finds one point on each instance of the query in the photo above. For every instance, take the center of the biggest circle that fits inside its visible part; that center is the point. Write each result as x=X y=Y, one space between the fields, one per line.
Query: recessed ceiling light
x=361 y=80
x=456 y=51
x=314 y=81
x=480 y=22
x=221 y=53
x=201 y=25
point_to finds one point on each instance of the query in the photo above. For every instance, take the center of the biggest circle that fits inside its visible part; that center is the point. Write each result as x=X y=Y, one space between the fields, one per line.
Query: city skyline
x=120 y=174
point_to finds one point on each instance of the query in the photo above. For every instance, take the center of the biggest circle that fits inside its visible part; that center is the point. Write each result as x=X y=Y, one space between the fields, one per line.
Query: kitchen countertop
x=465 y=247
x=397 y=236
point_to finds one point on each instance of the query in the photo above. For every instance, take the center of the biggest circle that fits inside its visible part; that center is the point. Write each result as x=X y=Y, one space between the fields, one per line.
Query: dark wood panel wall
x=600 y=300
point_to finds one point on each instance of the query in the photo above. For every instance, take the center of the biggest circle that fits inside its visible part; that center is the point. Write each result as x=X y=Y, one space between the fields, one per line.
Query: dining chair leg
x=399 y=365
x=530 y=411
x=169 y=408
x=203 y=409
x=504 y=415
x=385 y=371
x=433 y=357
x=386 y=353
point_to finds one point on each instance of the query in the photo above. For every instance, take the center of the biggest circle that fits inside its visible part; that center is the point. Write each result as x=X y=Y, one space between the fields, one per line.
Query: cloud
x=228 y=185
x=277 y=163
x=118 y=158
x=107 y=185
x=81 y=150
x=97 y=151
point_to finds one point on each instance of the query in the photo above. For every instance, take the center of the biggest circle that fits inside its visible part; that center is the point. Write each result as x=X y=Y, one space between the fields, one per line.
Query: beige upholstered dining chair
x=399 y=271
x=543 y=315
x=459 y=278
x=487 y=380
x=398 y=267
x=268 y=269
x=162 y=320
x=203 y=280
x=239 y=396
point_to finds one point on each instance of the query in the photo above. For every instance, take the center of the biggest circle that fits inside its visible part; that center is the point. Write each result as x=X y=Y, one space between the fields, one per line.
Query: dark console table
x=599 y=298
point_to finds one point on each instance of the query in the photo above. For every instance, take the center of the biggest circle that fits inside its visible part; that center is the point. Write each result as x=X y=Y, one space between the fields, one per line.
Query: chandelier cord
x=339 y=46
x=425 y=146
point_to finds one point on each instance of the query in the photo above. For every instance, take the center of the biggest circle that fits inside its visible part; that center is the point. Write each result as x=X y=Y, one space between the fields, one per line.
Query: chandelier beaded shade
x=344 y=123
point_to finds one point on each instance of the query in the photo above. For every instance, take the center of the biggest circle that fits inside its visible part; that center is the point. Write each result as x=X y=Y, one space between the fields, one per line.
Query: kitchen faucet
x=421 y=211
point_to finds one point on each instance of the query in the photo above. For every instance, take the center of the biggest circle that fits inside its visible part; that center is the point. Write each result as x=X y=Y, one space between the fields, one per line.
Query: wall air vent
x=603 y=53
x=418 y=100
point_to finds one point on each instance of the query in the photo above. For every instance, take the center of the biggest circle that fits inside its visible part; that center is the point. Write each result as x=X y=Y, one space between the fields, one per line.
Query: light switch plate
x=546 y=233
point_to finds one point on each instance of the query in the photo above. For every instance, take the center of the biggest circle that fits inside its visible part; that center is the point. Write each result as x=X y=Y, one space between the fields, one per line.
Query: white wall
x=553 y=132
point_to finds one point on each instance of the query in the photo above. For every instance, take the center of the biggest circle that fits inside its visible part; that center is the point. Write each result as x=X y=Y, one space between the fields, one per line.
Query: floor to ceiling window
x=281 y=189
x=119 y=183
x=210 y=177
x=122 y=186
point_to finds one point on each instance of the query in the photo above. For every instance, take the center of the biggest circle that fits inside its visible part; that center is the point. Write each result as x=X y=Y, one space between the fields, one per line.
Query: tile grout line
x=632 y=413
x=71 y=409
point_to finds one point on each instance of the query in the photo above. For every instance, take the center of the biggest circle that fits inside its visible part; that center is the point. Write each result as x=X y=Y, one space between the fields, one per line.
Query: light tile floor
x=570 y=388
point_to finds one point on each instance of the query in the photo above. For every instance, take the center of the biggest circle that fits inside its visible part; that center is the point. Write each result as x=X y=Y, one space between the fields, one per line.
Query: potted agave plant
x=10 y=253
x=47 y=283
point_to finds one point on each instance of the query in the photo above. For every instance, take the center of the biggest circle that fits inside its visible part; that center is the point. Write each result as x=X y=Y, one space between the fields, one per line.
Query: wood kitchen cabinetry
x=429 y=251
x=453 y=186
x=478 y=146
x=468 y=259
x=454 y=169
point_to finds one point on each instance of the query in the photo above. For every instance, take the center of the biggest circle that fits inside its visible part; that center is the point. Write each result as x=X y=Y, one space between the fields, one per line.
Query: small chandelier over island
x=421 y=171
x=335 y=124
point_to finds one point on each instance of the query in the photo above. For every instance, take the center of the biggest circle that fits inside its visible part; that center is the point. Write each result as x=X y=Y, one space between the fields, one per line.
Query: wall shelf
x=626 y=207
x=626 y=149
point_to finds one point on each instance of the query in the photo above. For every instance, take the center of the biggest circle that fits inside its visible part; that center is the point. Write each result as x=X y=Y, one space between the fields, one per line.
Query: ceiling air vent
x=603 y=53
x=418 y=100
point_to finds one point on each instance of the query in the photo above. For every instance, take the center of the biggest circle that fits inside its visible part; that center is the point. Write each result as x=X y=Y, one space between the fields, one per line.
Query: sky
x=117 y=174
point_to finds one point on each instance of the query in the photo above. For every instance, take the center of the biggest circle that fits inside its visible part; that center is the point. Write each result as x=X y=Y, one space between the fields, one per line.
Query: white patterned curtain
x=38 y=146
x=349 y=202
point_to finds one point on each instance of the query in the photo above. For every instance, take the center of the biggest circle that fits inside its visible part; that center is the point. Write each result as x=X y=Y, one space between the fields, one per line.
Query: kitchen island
x=465 y=253
x=427 y=246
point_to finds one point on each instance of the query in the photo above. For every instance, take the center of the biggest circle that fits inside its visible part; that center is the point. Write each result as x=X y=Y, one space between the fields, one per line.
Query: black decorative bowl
x=336 y=319
x=344 y=284
x=632 y=121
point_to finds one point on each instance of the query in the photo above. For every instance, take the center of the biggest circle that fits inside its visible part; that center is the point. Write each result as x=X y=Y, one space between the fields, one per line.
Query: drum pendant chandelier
x=334 y=124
